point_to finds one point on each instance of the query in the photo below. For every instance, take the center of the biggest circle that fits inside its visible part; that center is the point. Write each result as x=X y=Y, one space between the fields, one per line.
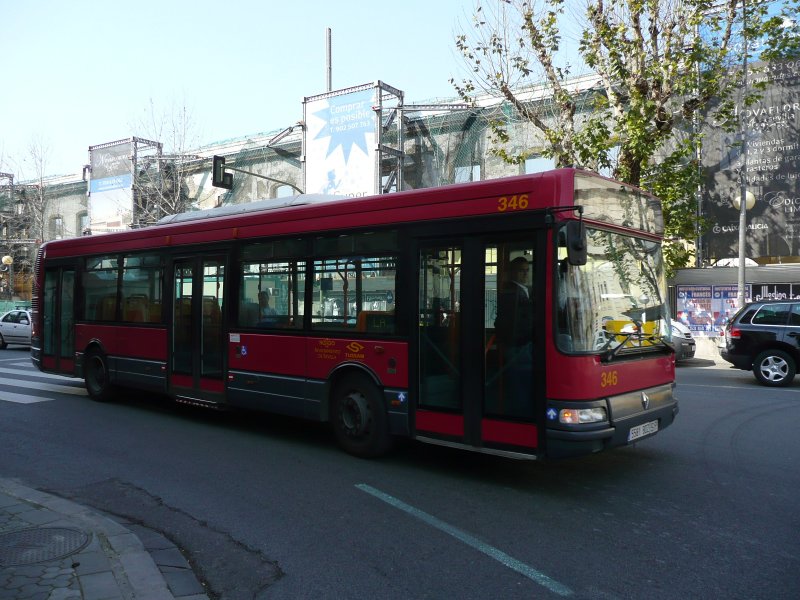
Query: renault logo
x=645 y=401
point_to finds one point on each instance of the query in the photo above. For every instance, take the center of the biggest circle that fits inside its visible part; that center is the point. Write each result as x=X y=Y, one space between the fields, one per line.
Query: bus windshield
x=617 y=300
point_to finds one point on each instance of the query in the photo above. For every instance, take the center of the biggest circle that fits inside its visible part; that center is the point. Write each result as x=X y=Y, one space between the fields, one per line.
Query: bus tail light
x=577 y=416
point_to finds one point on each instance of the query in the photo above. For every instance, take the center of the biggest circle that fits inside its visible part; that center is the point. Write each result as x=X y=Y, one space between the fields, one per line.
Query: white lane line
x=490 y=551
x=21 y=398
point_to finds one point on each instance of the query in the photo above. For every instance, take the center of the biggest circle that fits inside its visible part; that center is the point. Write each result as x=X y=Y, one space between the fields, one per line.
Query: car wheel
x=359 y=417
x=3 y=344
x=95 y=373
x=774 y=368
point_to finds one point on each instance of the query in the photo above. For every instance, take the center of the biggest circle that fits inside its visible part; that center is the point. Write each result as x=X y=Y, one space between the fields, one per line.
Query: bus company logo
x=327 y=343
x=354 y=350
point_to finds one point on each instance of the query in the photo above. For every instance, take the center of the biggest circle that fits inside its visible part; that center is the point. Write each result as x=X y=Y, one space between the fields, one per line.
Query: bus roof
x=308 y=213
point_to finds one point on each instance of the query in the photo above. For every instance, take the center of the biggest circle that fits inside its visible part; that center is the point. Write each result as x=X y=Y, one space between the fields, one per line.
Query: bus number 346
x=514 y=202
x=608 y=378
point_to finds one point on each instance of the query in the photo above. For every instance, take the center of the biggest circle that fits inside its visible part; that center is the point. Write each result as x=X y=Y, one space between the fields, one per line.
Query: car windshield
x=618 y=298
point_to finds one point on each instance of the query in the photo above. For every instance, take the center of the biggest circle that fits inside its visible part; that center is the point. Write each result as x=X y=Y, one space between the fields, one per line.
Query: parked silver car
x=15 y=328
x=683 y=341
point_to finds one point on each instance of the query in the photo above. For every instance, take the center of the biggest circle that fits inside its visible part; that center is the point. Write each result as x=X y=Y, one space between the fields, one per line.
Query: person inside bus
x=265 y=312
x=514 y=331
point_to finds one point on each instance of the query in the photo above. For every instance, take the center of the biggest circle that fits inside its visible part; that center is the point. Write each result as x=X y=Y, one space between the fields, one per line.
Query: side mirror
x=576 y=243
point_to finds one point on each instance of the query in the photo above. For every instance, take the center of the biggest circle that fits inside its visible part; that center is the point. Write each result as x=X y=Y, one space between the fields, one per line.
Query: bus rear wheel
x=95 y=373
x=359 y=417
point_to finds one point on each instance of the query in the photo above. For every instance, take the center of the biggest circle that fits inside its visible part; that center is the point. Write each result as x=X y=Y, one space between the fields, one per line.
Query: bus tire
x=359 y=417
x=774 y=368
x=96 y=376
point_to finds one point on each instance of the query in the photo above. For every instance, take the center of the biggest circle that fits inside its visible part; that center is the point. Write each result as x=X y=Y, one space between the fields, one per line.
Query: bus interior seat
x=137 y=309
x=211 y=308
x=155 y=311
x=248 y=314
x=107 y=308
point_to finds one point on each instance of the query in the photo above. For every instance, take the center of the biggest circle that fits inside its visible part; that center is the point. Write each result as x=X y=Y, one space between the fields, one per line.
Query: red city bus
x=524 y=316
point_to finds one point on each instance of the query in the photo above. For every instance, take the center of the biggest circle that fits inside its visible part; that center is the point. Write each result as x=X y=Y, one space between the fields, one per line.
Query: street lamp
x=743 y=207
x=8 y=265
x=744 y=200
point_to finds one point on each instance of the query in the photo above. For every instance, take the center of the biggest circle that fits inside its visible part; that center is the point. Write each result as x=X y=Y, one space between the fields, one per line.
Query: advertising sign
x=341 y=141
x=772 y=170
x=706 y=308
x=110 y=189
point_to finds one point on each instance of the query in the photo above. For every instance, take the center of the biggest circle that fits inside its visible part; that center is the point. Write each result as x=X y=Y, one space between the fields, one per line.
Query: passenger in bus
x=264 y=309
x=514 y=330
x=267 y=316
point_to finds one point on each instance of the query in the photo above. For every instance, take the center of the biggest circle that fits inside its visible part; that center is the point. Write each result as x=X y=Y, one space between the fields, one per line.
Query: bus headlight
x=577 y=416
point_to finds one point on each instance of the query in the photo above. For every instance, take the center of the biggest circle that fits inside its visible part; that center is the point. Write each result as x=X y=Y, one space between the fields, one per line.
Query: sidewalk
x=54 y=549
x=707 y=350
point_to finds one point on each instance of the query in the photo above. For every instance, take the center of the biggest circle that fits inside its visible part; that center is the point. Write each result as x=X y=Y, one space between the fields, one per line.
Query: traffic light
x=219 y=178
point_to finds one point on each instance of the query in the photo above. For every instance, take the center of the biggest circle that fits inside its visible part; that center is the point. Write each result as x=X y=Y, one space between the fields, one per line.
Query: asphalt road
x=268 y=507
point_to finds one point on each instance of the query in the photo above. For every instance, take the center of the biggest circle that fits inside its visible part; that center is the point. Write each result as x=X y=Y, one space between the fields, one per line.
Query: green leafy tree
x=655 y=67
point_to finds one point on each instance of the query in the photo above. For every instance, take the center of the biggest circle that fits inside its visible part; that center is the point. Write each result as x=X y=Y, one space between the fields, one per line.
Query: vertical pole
x=743 y=171
x=328 y=61
x=699 y=158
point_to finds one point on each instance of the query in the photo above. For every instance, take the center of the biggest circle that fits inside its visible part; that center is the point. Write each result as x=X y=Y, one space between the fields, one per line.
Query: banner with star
x=341 y=142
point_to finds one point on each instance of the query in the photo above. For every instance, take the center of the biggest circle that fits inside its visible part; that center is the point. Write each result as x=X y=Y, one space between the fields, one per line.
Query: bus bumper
x=632 y=417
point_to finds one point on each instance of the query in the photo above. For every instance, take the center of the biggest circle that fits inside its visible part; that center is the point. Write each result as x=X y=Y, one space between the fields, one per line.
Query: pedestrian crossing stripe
x=65 y=386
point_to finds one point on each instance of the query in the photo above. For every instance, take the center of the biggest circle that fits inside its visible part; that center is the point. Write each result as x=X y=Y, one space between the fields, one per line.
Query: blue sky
x=78 y=73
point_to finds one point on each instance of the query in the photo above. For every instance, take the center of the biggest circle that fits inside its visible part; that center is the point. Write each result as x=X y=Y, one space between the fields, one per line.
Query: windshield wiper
x=610 y=353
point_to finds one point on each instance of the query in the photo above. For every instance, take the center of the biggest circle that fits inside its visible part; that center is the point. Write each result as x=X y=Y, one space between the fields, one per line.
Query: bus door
x=478 y=383
x=57 y=337
x=196 y=353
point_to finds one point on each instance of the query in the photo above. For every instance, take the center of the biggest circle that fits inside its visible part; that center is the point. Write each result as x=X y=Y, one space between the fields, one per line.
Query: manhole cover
x=30 y=546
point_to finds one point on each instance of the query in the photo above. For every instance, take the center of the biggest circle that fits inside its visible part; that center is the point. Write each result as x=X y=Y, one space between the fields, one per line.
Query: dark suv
x=765 y=337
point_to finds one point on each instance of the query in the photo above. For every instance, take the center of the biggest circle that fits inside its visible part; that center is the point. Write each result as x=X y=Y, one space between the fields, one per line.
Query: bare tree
x=163 y=159
x=24 y=216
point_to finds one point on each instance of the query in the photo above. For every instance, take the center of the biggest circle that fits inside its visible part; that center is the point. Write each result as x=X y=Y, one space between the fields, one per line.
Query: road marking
x=490 y=551
x=73 y=387
x=24 y=371
x=21 y=398
x=47 y=387
x=792 y=389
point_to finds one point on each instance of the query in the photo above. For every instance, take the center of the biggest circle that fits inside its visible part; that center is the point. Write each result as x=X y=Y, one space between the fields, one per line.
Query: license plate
x=642 y=430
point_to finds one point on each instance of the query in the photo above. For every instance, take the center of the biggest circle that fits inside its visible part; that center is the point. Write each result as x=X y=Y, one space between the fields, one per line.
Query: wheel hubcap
x=774 y=369
x=354 y=414
x=98 y=373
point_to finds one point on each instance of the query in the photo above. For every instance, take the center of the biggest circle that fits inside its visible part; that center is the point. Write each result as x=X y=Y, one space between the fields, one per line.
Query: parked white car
x=683 y=341
x=15 y=328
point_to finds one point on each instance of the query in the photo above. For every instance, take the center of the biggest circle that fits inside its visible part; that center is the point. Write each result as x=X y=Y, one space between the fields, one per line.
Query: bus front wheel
x=95 y=373
x=359 y=417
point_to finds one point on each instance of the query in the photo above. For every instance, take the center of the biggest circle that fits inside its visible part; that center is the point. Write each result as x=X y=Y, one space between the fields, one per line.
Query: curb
x=113 y=563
